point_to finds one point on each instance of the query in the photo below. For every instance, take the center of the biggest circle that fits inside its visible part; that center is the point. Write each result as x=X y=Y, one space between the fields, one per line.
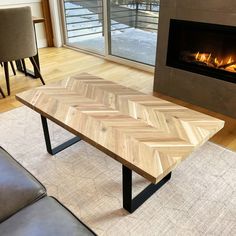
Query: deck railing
x=85 y=18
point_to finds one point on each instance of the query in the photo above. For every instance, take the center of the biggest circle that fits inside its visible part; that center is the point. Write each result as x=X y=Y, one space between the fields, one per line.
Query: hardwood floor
x=58 y=63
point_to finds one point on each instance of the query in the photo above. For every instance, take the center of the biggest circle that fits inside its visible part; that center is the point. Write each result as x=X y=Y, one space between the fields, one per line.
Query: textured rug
x=200 y=198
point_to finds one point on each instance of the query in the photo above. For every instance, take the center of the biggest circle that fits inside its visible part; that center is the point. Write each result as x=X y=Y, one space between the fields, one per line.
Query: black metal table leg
x=131 y=204
x=59 y=148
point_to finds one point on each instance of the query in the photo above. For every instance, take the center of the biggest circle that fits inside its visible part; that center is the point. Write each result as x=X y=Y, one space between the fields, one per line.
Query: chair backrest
x=17 y=38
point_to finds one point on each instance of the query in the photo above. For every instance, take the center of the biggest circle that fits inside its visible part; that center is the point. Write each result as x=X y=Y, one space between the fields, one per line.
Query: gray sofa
x=25 y=208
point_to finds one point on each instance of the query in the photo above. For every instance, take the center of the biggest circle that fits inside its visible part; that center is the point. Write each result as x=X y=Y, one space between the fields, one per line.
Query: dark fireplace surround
x=202 y=48
x=196 y=50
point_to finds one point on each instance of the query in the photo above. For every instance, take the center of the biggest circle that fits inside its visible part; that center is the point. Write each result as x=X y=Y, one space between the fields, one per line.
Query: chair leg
x=7 y=77
x=1 y=92
x=13 y=68
x=37 y=69
x=24 y=67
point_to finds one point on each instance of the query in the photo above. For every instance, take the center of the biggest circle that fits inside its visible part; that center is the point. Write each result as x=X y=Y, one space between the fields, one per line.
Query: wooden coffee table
x=145 y=134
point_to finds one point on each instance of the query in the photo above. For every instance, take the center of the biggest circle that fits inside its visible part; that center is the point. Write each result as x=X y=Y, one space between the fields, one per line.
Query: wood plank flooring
x=58 y=63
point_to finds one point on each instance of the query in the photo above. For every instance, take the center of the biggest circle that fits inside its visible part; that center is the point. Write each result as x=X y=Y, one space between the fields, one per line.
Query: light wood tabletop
x=148 y=135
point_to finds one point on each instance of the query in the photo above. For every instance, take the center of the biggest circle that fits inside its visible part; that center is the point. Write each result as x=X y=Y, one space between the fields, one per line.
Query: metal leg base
x=59 y=148
x=131 y=204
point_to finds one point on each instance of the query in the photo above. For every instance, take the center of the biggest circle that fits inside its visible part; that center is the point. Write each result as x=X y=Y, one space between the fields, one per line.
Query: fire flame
x=227 y=63
x=217 y=62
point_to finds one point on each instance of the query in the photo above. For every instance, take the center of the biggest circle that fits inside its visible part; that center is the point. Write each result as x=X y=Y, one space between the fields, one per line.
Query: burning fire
x=207 y=59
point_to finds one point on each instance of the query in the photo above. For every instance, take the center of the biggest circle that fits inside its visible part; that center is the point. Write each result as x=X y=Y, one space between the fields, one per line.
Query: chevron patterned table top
x=148 y=135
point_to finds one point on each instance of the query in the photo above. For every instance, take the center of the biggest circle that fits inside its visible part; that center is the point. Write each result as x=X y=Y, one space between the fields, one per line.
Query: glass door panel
x=113 y=28
x=133 y=28
x=84 y=25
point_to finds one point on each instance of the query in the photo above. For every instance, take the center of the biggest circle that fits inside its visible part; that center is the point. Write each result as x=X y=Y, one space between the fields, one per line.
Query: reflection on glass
x=133 y=29
x=84 y=24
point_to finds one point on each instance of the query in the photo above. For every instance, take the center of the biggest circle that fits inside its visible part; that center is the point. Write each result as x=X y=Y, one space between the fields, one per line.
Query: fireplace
x=203 y=48
x=196 y=52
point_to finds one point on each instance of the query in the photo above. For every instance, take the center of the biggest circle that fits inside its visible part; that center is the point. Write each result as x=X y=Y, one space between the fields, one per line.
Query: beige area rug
x=200 y=198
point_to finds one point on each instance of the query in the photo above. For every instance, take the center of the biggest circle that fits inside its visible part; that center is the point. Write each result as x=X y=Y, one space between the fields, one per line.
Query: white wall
x=36 y=11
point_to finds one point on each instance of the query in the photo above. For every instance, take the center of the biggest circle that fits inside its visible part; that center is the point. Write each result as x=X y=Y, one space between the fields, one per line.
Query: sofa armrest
x=18 y=188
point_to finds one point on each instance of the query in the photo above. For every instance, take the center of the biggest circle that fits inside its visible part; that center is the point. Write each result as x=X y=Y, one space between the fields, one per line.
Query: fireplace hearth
x=203 y=48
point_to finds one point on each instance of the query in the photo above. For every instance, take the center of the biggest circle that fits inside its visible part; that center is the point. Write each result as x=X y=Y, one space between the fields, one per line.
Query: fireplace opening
x=203 y=48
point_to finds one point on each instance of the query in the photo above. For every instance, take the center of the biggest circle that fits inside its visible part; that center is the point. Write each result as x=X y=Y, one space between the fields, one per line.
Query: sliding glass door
x=133 y=29
x=84 y=25
x=125 y=29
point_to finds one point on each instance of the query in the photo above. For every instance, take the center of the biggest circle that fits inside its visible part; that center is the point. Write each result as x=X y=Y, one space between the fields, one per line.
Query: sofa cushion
x=18 y=188
x=46 y=217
